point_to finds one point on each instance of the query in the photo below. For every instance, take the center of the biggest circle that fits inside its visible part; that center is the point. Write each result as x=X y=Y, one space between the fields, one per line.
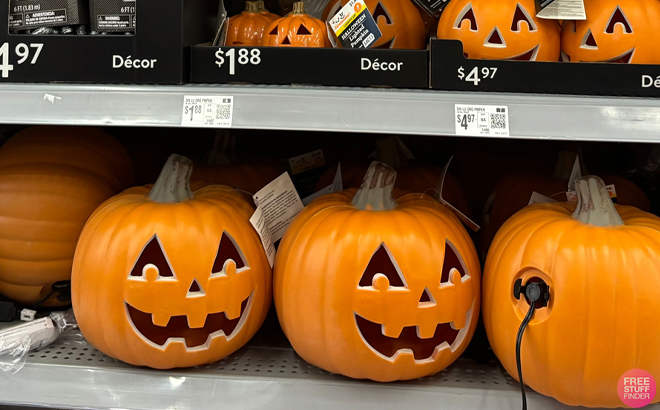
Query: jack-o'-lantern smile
x=178 y=328
x=624 y=58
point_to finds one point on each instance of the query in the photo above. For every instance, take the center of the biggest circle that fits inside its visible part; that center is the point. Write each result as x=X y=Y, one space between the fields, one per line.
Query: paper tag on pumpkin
x=307 y=161
x=561 y=9
x=280 y=203
x=537 y=198
x=259 y=222
x=460 y=215
x=354 y=25
x=572 y=195
x=336 y=186
x=576 y=173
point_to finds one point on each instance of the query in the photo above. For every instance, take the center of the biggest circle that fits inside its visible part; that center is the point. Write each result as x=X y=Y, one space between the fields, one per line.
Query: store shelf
x=78 y=376
x=334 y=109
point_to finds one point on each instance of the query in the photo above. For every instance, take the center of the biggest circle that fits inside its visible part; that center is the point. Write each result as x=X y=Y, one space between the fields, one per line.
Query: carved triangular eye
x=273 y=32
x=452 y=261
x=152 y=255
x=467 y=14
x=521 y=16
x=381 y=11
x=589 y=41
x=618 y=18
x=227 y=250
x=383 y=263
x=302 y=31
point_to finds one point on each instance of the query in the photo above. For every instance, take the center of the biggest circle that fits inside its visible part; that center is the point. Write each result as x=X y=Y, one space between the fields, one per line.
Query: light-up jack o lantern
x=500 y=30
x=375 y=288
x=623 y=31
x=399 y=22
x=297 y=29
x=168 y=277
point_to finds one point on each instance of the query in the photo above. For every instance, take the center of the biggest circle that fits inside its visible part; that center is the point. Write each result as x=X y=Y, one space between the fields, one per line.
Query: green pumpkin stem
x=173 y=183
x=594 y=205
x=375 y=194
x=298 y=8
x=251 y=7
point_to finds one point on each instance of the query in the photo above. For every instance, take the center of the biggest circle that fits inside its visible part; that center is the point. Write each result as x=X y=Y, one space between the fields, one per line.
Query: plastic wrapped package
x=16 y=341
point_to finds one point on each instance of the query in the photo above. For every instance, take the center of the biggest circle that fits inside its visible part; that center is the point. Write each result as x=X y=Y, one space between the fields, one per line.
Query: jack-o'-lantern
x=372 y=287
x=600 y=263
x=51 y=180
x=247 y=28
x=399 y=22
x=167 y=277
x=297 y=29
x=624 y=31
x=500 y=30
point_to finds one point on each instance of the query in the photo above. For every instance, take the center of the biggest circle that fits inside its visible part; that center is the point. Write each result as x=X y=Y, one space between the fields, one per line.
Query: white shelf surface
x=74 y=375
x=422 y=112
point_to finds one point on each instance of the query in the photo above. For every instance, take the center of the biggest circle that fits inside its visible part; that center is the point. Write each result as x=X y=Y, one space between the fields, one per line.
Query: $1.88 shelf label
x=245 y=56
x=23 y=52
x=207 y=111
x=482 y=120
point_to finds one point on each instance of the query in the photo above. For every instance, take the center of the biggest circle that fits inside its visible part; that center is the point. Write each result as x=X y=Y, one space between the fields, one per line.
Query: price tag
x=242 y=56
x=21 y=54
x=476 y=74
x=207 y=111
x=482 y=120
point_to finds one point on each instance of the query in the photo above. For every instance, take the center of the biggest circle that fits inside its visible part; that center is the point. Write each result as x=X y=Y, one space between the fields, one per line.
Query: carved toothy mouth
x=624 y=58
x=408 y=341
x=527 y=56
x=178 y=330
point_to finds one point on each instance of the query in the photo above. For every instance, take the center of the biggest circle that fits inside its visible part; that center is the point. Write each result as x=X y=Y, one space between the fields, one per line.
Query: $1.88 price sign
x=477 y=74
x=245 y=56
x=23 y=52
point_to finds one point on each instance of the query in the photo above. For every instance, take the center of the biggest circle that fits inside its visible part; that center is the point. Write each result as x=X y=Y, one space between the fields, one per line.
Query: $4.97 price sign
x=482 y=120
x=477 y=74
x=245 y=56
x=23 y=52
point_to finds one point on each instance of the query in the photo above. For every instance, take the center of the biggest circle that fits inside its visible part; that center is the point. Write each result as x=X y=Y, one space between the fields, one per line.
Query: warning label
x=16 y=20
x=114 y=22
x=41 y=18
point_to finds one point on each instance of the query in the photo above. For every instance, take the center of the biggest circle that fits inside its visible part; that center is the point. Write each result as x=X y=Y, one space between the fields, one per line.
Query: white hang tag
x=572 y=195
x=306 y=162
x=460 y=215
x=576 y=173
x=259 y=222
x=281 y=203
x=561 y=9
x=336 y=186
x=537 y=198
x=406 y=152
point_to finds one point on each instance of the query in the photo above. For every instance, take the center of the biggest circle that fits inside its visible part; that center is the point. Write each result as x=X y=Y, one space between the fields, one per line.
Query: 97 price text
x=23 y=51
x=477 y=74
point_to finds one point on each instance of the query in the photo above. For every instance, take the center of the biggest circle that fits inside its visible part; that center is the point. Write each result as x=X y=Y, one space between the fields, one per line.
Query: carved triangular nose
x=195 y=289
x=495 y=39
x=426 y=298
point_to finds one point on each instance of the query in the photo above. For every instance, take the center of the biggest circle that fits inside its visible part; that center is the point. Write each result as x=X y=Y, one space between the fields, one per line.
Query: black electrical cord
x=523 y=325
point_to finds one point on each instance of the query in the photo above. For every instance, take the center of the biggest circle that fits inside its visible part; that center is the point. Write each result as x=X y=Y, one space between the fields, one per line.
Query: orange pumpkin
x=601 y=264
x=166 y=277
x=51 y=180
x=623 y=31
x=223 y=168
x=247 y=28
x=374 y=288
x=261 y=5
x=399 y=21
x=514 y=191
x=297 y=29
x=500 y=30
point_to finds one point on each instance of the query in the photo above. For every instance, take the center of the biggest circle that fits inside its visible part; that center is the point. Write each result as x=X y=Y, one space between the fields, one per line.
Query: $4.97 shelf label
x=23 y=52
x=477 y=74
x=482 y=120
x=245 y=56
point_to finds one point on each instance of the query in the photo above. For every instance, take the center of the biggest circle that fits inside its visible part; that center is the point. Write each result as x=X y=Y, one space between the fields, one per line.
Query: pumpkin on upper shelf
x=297 y=29
x=399 y=21
x=261 y=6
x=615 y=31
x=247 y=28
x=500 y=30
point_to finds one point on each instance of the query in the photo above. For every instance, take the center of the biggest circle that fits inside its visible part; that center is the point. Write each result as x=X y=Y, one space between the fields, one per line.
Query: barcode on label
x=498 y=121
x=223 y=112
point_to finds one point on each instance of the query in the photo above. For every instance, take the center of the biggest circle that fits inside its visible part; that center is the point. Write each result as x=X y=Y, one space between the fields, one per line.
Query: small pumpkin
x=370 y=287
x=261 y=6
x=166 y=277
x=513 y=192
x=297 y=29
x=600 y=261
x=624 y=31
x=399 y=21
x=222 y=167
x=51 y=180
x=247 y=28
x=500 y=30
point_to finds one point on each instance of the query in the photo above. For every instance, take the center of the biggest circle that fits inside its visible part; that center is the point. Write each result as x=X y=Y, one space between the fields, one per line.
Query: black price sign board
x=319 y=66
x=451 y=71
